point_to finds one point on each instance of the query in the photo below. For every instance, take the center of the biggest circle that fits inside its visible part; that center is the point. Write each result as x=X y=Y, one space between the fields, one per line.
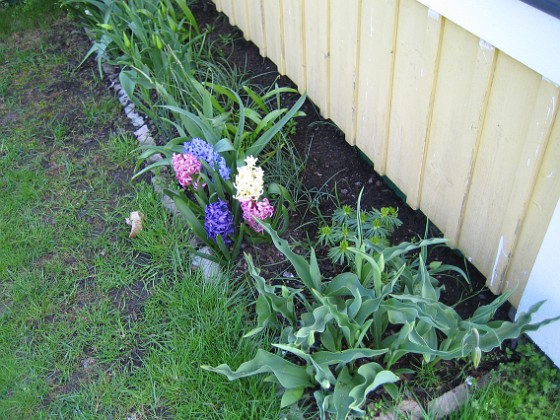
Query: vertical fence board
x=272 y=15
x=344 y=27
x=540 y=124
x=294 y=42
x=377 y=43
x=256 y=22
x=464 y=79
x=501 y=150
x=539 y=212
x=218 y=4
x=417 y=47
x=227 y=9
x=317 y=52
x=240 y=12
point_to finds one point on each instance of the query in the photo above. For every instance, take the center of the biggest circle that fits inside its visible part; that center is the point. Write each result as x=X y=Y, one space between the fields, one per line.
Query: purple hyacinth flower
x=205 y=151
x=218 y=221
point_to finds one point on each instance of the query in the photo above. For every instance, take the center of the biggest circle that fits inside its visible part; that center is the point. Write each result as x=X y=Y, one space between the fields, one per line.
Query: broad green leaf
x=371 y=376
x=291 y=396
x=342 y=400
x=305 y=273
x=346 y=356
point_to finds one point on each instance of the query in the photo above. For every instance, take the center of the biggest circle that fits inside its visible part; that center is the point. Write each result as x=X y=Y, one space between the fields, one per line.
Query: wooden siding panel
x=272 y=14
x=317 y=52
x=227 y=9
x=500 y=168
x=464 y=78
x=417 y=48
x=344 y=27
x=294 y=42
x=460 y=128
x=539 y=212
x=377 y=43
x=256 y=24
x=218 y=4
x=241 y=21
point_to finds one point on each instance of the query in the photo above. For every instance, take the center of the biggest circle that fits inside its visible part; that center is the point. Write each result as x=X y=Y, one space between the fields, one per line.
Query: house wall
x=459 y=119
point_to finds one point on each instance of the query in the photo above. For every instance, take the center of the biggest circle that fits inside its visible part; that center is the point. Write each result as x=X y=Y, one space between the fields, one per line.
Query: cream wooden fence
x=470 y=135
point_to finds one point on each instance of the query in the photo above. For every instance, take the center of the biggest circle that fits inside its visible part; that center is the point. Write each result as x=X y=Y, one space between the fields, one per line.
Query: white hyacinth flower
x=249 y=181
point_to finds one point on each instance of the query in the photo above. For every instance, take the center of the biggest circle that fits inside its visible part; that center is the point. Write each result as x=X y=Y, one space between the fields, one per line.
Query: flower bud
x=476 y=356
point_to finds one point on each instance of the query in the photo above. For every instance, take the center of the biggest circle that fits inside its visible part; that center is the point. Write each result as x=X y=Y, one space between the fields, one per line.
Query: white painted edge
x=518 y=29
x=544 y=284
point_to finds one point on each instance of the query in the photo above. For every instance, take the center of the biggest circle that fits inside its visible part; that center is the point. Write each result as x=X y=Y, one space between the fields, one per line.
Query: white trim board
x=544 y=284
x=519 y=30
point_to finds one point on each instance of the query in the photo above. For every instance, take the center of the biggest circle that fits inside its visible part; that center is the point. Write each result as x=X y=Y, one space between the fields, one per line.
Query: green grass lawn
x=94 y=324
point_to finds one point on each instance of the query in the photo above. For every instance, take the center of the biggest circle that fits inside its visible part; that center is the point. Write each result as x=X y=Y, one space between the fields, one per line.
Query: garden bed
x=332 y=166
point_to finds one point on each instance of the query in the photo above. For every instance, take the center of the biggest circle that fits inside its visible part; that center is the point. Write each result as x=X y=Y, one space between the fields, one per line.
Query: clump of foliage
x=158 y=47
x=347 y=228
x=351 y=330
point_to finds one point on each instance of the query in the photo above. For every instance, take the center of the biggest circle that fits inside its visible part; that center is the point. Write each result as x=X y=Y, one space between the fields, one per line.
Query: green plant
x=348 y=332
x=350 y=227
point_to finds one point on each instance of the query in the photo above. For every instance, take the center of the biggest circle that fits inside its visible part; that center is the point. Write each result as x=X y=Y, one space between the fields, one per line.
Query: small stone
x=211 y=271
x=155 y=158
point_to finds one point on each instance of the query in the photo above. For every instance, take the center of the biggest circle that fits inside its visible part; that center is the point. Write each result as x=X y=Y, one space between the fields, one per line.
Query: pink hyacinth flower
x=260 y=210
x=185 y=166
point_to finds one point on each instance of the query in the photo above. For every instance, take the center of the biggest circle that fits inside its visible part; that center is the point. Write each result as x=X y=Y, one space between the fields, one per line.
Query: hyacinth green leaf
x=308 y=277
x=159 y=163
x=196 y=127
x=223 y=247
x=252 y=115
x=256 y=148
x=369 y=377
x=177 y=126
x=271 y=116
x=277 y=91
x=224 y=145
x=183 y=206
x=233 y=96
x=257 y=99
x=277 y=189
x=188 y=14
x=287 y=374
